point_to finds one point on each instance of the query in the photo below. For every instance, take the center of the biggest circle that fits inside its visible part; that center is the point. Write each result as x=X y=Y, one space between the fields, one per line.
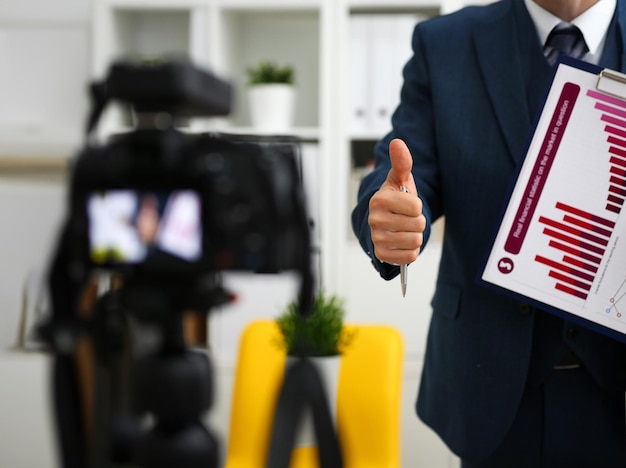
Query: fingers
x=384 y=204
x=401 y=165
x=398 y=247
x=389 y=252
x=397 y=233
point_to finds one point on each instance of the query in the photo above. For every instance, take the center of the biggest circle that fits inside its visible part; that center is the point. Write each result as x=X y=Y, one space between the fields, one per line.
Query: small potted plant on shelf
x=271 y=95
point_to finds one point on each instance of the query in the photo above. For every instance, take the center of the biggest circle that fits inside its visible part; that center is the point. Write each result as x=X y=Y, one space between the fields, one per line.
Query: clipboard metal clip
x=612 y=83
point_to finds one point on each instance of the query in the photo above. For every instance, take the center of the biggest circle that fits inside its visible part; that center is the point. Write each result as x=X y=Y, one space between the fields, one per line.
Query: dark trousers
x=566 y=422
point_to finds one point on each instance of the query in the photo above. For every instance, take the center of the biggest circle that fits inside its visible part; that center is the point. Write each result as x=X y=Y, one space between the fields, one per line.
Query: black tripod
x=245 y=210
x=148 y=403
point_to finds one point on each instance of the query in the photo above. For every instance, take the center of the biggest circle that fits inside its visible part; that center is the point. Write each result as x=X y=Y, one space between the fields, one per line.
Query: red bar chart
x=614 y=115
x=582 y=238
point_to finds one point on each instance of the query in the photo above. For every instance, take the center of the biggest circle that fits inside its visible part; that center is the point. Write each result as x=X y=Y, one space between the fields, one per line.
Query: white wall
x=44 y=54
x=31 y=212
x=27 y=439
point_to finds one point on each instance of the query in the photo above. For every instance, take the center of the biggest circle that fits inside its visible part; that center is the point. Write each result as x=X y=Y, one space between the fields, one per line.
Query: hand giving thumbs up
x=395 y=218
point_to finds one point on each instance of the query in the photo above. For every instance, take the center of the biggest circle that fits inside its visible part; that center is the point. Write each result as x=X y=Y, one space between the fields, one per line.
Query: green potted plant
x=321 y=337
x=269 y=72
x=271 y=96
x=319 y=334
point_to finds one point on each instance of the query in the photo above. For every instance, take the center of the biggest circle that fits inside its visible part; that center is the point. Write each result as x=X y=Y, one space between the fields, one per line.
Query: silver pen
x=403 y=268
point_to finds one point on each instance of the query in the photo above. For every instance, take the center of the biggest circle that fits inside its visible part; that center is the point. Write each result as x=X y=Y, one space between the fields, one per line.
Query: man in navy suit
x=504 y=385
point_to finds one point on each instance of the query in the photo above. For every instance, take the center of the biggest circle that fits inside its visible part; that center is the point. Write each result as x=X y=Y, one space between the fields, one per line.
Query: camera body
x=163 y=204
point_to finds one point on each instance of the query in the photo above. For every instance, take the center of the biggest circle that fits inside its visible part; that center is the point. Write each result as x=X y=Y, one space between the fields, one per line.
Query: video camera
x=165 y=210
x=164 y=204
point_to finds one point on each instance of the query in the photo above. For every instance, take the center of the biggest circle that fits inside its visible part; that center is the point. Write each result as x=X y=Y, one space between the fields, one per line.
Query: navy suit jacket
x=471 y=93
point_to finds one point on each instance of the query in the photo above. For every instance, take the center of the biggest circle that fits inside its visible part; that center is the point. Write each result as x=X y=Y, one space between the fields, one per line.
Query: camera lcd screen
x=130 y=226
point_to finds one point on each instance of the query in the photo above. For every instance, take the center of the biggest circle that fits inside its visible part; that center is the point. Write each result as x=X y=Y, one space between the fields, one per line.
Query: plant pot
x=272 y=107
x=328 y=368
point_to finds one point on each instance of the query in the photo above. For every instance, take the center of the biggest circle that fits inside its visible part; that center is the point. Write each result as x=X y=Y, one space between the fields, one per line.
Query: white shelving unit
x=223 y=36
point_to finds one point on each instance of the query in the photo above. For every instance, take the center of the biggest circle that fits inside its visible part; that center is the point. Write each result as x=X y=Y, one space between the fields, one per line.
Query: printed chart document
x=561 y=244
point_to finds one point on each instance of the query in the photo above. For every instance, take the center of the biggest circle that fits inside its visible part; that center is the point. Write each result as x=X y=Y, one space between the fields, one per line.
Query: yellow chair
x=368 y=399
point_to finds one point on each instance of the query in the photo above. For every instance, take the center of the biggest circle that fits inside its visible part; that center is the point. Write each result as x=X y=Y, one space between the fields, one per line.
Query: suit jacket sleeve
x=412 y=122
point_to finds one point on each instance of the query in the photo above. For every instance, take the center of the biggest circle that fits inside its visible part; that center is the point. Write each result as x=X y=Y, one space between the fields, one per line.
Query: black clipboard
x=561 y=241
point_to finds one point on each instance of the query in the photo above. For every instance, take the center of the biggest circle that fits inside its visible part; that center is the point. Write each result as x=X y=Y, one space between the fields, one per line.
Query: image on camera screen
x=127 y=226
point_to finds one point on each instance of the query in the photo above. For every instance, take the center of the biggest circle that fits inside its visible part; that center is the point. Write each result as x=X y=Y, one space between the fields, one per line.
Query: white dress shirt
x=593 y=23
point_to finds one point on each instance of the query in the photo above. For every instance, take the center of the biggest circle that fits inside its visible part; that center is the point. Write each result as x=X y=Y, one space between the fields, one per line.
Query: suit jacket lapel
x=613 y=55
x=502 y=60
x=515 y=72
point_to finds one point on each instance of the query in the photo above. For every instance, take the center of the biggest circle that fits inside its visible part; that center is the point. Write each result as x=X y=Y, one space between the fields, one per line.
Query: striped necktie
x=565 y=39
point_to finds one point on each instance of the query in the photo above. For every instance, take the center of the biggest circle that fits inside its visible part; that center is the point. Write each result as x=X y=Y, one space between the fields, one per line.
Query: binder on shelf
x=383 y=70
x=380 y=46
x=561 y=242
x=358 y=73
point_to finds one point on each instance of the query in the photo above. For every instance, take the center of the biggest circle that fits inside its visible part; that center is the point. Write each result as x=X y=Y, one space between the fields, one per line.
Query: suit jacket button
x=524 y=309
x=572 y=332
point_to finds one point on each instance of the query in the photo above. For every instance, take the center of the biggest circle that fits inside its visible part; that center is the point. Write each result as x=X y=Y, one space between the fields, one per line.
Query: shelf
x=303 y=133
x=37 y=148
x=33 y=169
x=18 y=164
x=290 y=36
x=395 y=5
x=154 y=4
x=366 y=136
x=282 y=5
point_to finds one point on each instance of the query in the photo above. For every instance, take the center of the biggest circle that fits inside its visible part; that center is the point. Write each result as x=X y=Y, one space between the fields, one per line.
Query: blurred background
x=347 y=57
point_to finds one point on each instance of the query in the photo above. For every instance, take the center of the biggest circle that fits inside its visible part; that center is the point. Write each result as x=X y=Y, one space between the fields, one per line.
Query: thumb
x=401 y=163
